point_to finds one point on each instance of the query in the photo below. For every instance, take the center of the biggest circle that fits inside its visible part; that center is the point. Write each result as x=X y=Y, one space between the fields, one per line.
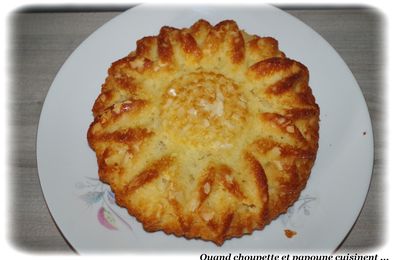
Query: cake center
x=203 y=109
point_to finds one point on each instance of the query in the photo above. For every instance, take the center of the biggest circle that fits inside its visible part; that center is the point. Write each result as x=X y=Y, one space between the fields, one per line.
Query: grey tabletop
x=40 y=40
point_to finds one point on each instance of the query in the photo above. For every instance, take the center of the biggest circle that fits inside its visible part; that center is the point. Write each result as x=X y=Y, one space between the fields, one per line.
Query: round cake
x=205 y=132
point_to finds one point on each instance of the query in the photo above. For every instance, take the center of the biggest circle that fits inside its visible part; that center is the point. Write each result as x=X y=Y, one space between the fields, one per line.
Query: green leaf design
x=92 y=197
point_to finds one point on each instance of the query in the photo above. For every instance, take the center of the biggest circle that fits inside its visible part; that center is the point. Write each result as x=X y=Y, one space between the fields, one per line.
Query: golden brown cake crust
x=205 y=132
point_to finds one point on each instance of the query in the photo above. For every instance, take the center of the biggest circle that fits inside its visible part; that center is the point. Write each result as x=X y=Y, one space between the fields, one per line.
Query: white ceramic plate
x=84 y=208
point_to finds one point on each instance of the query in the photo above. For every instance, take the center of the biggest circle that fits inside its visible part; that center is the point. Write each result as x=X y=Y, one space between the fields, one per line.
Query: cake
x=205 y=132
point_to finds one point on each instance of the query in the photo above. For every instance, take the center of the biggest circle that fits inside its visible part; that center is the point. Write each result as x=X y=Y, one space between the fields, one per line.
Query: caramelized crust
x=205 y=132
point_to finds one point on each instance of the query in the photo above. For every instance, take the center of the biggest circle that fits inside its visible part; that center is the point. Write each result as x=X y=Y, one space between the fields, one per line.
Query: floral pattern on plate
x=96 y=194
x=301 y=209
